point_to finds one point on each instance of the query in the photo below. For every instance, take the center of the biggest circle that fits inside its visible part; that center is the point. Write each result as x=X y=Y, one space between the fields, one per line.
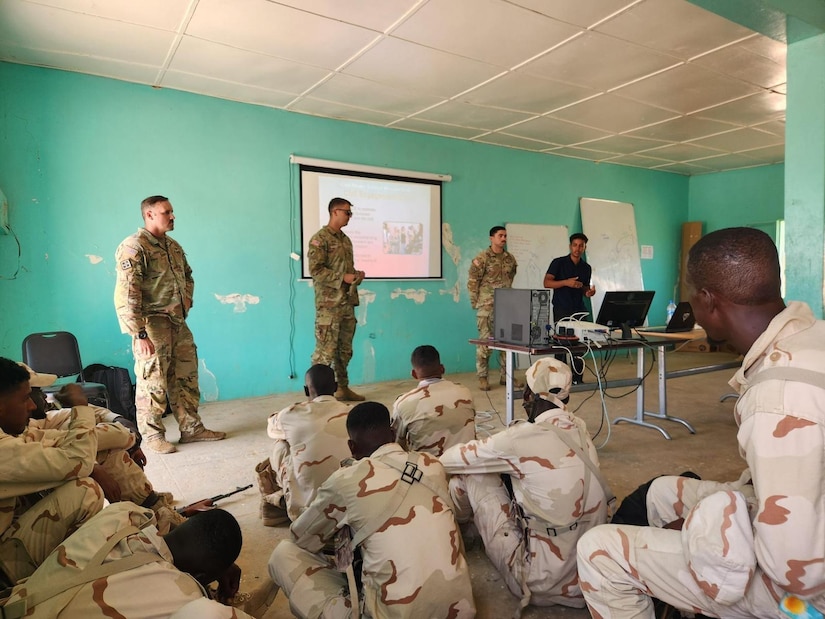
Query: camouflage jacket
x=330 y=258
x=434 y=416
x=153 y=279
x=155 y=589
x=402 y=576
x=489 y=271
x=312 y=442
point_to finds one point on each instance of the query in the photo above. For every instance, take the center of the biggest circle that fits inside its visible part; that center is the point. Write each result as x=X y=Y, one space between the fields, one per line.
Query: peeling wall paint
x=453 y=250
x=365 y=297
x=455 y=291
x=207 y=383
x=94 y=259
x=419 y=295
x=238 y=300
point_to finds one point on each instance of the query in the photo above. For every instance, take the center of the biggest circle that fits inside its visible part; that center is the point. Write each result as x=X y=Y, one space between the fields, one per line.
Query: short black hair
x=12 y=375
x=495 y=229
x=221 y=537
x=578 y=235
x=425 y=356
x=367 y=416
x=322 y=379
x=151 y=201
x=337 y=203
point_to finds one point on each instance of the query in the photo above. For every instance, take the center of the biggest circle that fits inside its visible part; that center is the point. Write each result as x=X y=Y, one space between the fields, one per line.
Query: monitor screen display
x=625 y=309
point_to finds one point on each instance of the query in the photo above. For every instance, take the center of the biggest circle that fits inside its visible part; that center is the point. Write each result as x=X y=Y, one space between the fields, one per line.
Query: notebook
x=682 y=320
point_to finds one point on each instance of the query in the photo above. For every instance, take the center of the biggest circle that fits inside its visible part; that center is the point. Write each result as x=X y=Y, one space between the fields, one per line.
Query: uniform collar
x=325 y=398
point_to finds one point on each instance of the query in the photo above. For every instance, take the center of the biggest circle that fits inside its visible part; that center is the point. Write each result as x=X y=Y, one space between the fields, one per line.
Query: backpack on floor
x=119 y=387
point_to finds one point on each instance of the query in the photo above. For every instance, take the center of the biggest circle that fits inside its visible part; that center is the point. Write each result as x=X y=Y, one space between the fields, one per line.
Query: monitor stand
x=627 y=334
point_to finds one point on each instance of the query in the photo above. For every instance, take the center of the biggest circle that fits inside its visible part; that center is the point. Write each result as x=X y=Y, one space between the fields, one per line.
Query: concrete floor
x=631 y=456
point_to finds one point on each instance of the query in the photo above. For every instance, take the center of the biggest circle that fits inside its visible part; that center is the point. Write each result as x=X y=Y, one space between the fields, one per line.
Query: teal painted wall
x=737 y=198
x=78 y=153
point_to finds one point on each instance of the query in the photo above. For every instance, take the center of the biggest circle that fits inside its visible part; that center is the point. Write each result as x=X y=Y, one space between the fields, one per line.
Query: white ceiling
x=657 y=84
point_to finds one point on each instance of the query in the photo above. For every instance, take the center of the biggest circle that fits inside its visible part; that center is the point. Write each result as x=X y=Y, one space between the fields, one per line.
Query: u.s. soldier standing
x=332 y=267
x=153 y=295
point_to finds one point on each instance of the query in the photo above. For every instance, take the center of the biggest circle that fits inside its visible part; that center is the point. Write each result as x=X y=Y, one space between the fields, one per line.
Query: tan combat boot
x=201 y=435
x=483 y=384
x=159 y=444
x=271 y=515
x=345 y=394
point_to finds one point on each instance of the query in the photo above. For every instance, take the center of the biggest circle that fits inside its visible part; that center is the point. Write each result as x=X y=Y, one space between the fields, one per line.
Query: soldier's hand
x=71 y=395
x=229 y=583
x=111 y=489
x=144 y=348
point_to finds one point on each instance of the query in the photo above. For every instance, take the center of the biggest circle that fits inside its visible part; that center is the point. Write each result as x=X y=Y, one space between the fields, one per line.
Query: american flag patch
x=315 y=242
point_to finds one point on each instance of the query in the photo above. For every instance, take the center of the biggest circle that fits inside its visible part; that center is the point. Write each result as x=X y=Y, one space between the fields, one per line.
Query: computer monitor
x=625 y=309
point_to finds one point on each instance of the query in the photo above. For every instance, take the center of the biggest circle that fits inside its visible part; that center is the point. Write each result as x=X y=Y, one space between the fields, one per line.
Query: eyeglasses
x=349 y=213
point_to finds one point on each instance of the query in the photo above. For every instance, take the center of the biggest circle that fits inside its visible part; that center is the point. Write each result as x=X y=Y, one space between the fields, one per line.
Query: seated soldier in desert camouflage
x=310 y=443
x=532 y=477
x=45 y=489
x=398 y=509
x=438 y=413
x=118 y=468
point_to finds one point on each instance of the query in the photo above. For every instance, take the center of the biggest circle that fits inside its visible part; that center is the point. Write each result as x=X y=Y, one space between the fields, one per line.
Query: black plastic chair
x=57 y=352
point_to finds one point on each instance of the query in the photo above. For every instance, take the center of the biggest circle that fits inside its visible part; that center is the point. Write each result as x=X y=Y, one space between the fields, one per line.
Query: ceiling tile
x=351 y=90
x=767 y=48
x=278 y=30
x=739 y=139
x=622 y=144
x=579 y=13
x=36 y=26
x=237 y=65
x=767 y=154
x=681 y=152
x=426 y=126
x=225 y=90
x=612 y=113
x=638 y=161
x=756 y=108
x=600 y=62
x=777 y=127
x=526 y=93
x=163 y=14
x=413 y=67
x=674 y=26
x=329 y=109
x=684 y=128
x=581 y=153
x=556 y=131
x=687 y=88
x=459 y=113
x=443 y=24
x=731 y=161
x=373 y=14
x=740 y=62
x=514 y=141
x=686 y=169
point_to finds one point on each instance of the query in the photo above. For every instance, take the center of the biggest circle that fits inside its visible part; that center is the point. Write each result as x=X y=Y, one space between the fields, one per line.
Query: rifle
x=204 y=504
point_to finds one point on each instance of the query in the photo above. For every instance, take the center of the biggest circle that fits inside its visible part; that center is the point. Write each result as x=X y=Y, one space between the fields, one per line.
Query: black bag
x=119 y=386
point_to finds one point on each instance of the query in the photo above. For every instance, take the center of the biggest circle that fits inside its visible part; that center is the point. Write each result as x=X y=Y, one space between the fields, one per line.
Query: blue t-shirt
x=566 y=298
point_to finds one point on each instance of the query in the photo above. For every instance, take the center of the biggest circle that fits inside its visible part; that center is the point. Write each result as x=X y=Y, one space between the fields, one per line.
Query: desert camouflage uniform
x=488 y=271
x=154 y=285
x=434 y=416
x=413 y=564
x=155 y=589
x=761 y=553
x=549 y=484
x=311 y=441
x=45 y=490
x=330 y=258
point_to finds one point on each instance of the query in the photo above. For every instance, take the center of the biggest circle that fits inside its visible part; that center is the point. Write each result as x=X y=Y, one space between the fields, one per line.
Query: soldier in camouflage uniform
x=493 y=268
x=734 y=549
x=310 y=443
x=551 y=493
x=335 y=279
x=391 y=501
x=142 y=575
x=46 y=491
x=438 y=413
x=153 y=296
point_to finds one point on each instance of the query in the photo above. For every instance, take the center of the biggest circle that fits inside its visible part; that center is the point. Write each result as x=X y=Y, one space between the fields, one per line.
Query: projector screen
x=395 y=226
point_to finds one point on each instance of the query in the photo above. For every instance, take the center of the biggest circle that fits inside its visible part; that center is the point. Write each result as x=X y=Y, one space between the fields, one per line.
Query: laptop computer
x=683 y=320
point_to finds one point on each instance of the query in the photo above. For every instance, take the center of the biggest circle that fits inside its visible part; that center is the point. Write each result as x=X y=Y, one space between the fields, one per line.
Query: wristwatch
x=142 y=335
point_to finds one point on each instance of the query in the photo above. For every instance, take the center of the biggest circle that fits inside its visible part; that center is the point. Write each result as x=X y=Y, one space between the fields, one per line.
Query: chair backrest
x=54 y=352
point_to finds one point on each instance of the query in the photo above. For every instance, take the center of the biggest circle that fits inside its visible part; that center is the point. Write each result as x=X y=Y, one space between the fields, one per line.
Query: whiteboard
x=612 y=248
x=534 y=247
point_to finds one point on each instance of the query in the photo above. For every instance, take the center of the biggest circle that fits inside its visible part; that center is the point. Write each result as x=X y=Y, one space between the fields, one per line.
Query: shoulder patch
x=125 y=264
x=476 y=262
x=315 y=242
x=129 y=251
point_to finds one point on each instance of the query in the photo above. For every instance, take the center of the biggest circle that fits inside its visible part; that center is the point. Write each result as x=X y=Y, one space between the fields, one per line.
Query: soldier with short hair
x=438 y=413
x=332 y=267
x=153 y=296
x=400 y=514
x=493 y=268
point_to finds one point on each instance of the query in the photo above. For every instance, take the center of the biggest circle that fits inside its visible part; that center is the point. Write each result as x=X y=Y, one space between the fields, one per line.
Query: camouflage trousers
x=44 y=525
x=622 y=566
x=334 y=330
x=312 y=584
x=171 y=373
x=484 y=321
x=134 y=485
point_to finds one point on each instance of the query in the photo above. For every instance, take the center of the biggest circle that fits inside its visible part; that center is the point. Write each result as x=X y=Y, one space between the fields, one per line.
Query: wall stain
x=239 y=300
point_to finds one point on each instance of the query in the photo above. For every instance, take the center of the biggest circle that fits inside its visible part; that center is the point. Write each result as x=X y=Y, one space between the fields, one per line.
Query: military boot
x=201 y=435
x=159 y=444
x=345 y=394
x=483 y=384
x=271 y=515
